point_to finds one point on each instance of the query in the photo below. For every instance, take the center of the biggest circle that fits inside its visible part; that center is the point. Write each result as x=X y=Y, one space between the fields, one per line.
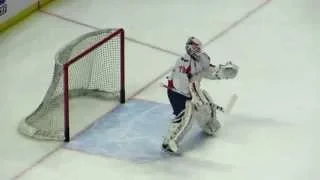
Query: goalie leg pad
x=209 y=122
x=178 y=129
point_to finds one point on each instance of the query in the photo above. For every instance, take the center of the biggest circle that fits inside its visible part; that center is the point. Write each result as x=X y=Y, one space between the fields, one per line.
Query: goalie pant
x=177 y=101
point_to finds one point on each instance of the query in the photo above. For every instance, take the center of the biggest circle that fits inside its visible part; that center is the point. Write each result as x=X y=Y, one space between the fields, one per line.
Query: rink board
x=132 y=131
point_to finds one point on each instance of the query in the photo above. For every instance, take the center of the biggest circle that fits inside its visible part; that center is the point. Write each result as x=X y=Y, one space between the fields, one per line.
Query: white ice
x=272 y=132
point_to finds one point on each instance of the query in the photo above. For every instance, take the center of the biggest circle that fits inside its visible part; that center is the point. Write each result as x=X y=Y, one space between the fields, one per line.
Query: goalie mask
x=194 y=47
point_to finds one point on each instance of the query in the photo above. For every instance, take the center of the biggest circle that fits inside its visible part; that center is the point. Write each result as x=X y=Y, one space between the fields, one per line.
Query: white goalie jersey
x=187 y=69
x=184 y=69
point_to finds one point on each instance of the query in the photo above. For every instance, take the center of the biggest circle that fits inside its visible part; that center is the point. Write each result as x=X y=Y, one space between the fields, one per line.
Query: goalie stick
x=226 y=110
x=231 y=103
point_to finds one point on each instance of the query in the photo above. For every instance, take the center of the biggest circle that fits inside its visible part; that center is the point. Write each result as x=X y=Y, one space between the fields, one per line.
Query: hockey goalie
x=188 y=101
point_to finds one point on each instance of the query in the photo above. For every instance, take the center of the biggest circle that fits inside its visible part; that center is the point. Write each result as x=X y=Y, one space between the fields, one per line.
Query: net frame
x=61 y=69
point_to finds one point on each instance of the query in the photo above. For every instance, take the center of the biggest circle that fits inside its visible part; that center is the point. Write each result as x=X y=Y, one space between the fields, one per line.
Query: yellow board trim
x=22 y=15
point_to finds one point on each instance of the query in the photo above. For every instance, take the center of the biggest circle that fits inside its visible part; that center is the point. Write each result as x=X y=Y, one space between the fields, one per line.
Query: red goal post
x=91 y=65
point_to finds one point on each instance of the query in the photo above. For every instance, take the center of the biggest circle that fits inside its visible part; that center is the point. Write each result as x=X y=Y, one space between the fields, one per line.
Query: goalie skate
x=170 y=146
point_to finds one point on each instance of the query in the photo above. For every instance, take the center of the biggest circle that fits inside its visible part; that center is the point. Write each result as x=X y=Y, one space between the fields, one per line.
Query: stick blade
x=231 y=103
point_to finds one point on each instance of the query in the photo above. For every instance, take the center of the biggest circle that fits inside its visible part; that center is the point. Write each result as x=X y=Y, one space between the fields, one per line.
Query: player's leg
x=209 y=122
x=181 y=124
x=205 y=109
x=177 y=101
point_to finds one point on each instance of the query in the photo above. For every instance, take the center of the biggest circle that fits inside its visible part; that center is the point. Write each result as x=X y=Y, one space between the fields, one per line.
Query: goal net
x=91 y=65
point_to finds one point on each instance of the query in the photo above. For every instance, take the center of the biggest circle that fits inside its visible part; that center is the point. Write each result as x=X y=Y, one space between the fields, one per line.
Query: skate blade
x=168 y=151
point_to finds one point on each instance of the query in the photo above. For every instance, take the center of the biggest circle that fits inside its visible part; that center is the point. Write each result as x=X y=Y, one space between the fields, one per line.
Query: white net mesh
x=96 y=74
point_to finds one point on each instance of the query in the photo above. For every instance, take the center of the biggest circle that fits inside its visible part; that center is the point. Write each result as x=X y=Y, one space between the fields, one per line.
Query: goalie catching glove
x=222 y=71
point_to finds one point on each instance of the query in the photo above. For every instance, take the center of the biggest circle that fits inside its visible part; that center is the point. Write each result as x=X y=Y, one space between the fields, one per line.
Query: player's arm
x=174 y=68
x=221 y=71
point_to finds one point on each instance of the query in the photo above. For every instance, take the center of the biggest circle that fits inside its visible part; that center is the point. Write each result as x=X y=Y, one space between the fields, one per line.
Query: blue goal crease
x=132 y=131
